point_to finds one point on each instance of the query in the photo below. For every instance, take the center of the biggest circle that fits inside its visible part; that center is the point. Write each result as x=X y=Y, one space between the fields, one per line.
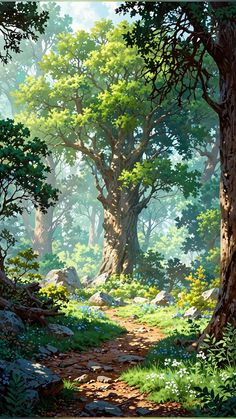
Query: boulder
x=140 y=300
x=100 y=280
x=10 y=322
x=163 y=298
x=86 y=280
x=59 y=331
x=211 y=294
x=99 y=407
x=101 y=299
x=67 y=277
x=192 y=313
x=37 y=377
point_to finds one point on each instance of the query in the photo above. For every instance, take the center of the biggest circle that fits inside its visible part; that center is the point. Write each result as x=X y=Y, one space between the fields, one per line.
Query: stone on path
x=59 y=331
x=103 y=408
x=130 y=358
x=10 y=322
x=104 y=379
x=142 y=411
x=82 y=379
x=94 y=366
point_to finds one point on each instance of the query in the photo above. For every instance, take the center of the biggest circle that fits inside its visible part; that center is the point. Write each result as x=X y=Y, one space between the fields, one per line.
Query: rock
x=101 y=407
x=37 y=377
x=163 y=298
x=10 y=323
x=192 y=313
x=119 y=302
x=52 y=349
x=130 y=358
x=84 y=414
x=43 y=351
x=82 y=379
x=107 y=368
x=133 y=317
x=86 y=280
x=142 y=411
x=100 y=280
x=104 y=379
x=101 y=299
x=140 y=300
x=59 y=331
x=211 y=294
x=94 y=366
x=67 y=277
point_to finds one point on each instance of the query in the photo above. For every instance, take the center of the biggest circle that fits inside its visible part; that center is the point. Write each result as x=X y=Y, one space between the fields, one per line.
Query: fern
x=16 y=402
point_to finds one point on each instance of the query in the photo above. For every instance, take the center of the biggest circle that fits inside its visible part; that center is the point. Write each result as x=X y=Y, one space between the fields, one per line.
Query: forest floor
x=101 y=368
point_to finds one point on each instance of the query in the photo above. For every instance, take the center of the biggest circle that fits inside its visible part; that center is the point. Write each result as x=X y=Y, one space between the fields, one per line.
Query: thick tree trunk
x=225 y=311
x=120 y=233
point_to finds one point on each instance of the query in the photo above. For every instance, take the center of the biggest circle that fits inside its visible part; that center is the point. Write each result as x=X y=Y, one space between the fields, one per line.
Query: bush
x=55 y=292
x=49 y=262
x=192 y=297
x=85 y=259
x=21 y=267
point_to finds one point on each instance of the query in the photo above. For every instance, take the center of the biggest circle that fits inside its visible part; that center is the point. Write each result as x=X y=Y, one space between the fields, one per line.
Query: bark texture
x=225 y=311
x=120 y=233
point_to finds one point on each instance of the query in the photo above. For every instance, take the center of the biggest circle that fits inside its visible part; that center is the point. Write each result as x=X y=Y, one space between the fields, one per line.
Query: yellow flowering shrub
x=198 y=285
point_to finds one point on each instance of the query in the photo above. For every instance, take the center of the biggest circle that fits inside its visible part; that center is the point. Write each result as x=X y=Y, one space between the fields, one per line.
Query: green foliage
x=127 y=287
x=85 y=259
x=221 y=352
x=19 y=268
x=48 y=262
x=20 y=21
x=197 y=285
x=149 y=269
x=22 y=170
x=15 y=402
x=218 y=403
x=56 y=292
x=163 y=175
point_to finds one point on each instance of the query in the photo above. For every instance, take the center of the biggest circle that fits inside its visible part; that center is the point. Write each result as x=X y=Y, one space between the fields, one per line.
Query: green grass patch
x=91 y=327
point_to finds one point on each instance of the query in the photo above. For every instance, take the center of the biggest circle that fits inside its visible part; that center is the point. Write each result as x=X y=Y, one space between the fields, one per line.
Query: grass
x=91 y=327
x=169 y=372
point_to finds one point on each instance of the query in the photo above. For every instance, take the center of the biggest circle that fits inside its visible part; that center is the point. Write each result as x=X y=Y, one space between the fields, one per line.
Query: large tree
x=174 y=39
x=91 y=97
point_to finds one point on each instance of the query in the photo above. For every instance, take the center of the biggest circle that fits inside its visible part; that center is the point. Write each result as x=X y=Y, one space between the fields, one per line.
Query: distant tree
x=174 y=39
x=19 y=21
x=23 y=176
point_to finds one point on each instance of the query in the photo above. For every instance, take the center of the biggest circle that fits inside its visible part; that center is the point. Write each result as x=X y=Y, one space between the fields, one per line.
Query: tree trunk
x=92 y=227
x=120 y=233
x=43 y=232
x=225 y=311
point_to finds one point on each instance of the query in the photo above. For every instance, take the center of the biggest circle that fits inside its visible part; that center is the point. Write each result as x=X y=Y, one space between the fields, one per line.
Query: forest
x=118 y=209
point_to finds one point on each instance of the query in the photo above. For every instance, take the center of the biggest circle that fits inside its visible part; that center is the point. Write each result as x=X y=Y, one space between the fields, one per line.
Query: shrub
x=198 y=285
x=49 y=262
x=55 y=292
x=21 y=267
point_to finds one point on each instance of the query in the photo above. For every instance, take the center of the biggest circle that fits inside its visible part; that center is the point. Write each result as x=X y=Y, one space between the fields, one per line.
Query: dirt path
x=72 y=365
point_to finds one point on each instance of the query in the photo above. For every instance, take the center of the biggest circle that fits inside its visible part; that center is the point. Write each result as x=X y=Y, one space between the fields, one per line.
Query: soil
x=137 y=341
